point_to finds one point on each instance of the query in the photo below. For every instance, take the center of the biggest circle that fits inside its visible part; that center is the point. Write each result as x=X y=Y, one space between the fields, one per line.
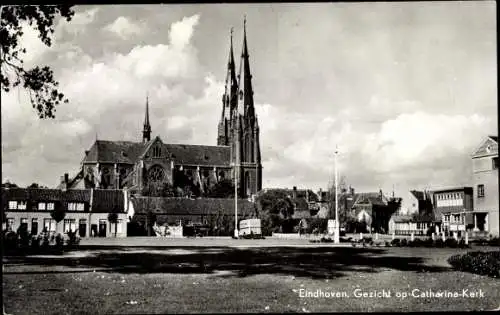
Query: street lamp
x=337 y=221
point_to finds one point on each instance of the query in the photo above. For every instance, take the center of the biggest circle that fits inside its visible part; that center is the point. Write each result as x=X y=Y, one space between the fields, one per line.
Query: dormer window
x=124 y=154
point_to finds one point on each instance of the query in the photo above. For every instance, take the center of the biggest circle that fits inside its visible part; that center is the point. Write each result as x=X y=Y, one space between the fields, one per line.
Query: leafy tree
x=58 y=214
x=222 y=189
x=113 y=219
x=38 y=81
x=8 y=184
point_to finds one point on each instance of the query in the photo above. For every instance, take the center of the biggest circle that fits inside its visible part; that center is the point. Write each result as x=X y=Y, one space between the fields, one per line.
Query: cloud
x=181 y=31
x=406 y=92
x=111 y=88
x=78 y=23
x=124 y=28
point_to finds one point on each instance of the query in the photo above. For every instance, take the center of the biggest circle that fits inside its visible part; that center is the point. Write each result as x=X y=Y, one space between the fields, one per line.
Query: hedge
x=483 y=263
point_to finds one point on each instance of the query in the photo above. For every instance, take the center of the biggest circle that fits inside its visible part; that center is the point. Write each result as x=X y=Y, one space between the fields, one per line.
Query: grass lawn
x=222 y=279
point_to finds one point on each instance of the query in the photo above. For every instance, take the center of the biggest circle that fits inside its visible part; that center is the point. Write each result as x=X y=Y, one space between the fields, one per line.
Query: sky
x=406 y=91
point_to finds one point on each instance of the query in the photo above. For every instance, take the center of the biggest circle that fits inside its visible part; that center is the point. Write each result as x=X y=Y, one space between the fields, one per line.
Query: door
x=82 y=227
x=34 y=226
x=93 y=230
x=102 y=228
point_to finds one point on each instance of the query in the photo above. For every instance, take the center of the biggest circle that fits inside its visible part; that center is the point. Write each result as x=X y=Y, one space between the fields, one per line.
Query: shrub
x=387 y=244
x=451 y=242
x=10 y=240
x=494 y=241
x=326 y=240
x=483 y=263
x=480 y=241
x=396 y=242
x=404 y=242
x=438 y=243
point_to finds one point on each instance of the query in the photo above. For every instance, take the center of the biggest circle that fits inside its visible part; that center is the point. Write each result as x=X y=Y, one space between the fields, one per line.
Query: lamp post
x=337 y=222
x=235 y=201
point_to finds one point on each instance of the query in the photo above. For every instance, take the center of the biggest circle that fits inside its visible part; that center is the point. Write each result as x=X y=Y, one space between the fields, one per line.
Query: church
x=136 y=165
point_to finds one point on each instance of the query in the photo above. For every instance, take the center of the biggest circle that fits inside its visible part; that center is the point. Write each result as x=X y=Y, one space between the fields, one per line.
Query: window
x=41 y=206
x=69 y=224
x=156 y=152
x=10 y=223
x=119 y=226
x=495 y=163
x=480 y=191
x=50 y=206
x=74 y=206
x=49 y=225
x=17 y=205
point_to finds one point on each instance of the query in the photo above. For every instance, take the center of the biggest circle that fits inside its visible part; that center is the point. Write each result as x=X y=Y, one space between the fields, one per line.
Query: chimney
x=352 y=190
x=64 y=182
x=86 y=152
x=294 y=195
x=320 y=193
x=307 y=195
x=381 y=194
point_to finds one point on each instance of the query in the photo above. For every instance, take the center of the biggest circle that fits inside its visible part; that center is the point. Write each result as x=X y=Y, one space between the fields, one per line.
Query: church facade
x=236 y=157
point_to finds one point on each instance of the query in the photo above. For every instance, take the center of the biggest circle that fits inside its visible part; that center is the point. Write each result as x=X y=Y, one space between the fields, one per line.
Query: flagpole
x=337 y=222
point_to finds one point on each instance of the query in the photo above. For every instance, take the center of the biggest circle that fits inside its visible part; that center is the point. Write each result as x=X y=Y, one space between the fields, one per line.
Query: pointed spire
x=146 y=132
x=231 y=80
x=245 y=91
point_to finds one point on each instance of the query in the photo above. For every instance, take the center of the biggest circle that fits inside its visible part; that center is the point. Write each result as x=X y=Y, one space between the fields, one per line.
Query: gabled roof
x=401 y=218
x=489 y=146
x=300 y=193
x=129 y=153
x=108 y=200
x=373 y=198
x=46 y=194
x=184 y=206
x=115 y=151
x=203 y=155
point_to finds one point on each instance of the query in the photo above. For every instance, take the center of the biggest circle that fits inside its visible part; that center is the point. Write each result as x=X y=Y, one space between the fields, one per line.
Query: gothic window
x=156 y=152
x=156 y=174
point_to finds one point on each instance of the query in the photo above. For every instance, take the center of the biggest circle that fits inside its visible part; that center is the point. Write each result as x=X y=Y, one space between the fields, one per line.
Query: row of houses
x=87 y=211
x=473 y=209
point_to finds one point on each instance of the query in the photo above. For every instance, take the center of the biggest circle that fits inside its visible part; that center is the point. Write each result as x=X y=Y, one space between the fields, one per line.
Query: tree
x=222 y=189
x=58 y=214
x=113 y=219
x=38 y=81
x=8 y=184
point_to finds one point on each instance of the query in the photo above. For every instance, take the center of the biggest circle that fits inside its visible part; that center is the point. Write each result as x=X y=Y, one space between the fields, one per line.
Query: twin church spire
x=237 y=101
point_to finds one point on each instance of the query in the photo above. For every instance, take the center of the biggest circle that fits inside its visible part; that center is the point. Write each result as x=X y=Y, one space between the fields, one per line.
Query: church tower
x=146 y=132
x=229 y=99
x=244 y=130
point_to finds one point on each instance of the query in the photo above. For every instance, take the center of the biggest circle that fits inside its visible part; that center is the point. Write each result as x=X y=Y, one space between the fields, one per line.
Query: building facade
x=196 y=168
x=86 y=211
x=416 y=202
x=454 y=208
x=486 y=219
